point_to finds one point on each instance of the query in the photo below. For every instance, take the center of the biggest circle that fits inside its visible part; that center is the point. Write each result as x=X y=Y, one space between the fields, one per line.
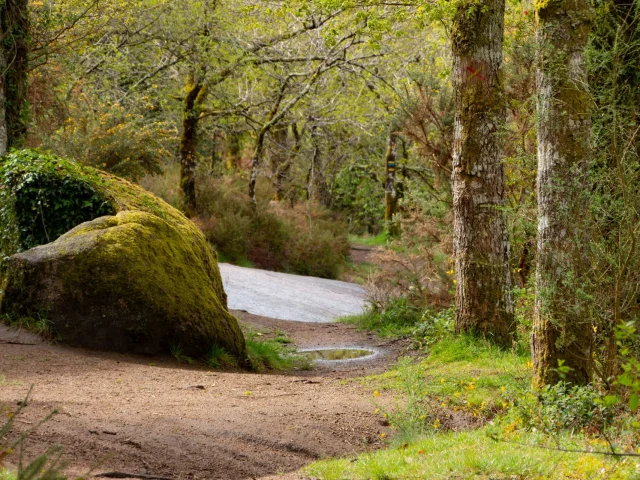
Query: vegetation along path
x=162 y=418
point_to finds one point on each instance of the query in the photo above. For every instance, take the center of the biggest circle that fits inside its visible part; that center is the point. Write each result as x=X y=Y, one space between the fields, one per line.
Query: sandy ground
x=157 y=417
x=290 y=297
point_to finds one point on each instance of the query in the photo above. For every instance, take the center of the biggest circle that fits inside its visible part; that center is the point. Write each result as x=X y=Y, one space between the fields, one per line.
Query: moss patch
x=143 y=280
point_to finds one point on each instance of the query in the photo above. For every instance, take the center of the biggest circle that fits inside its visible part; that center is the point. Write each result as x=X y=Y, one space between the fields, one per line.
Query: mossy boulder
x=142 y=279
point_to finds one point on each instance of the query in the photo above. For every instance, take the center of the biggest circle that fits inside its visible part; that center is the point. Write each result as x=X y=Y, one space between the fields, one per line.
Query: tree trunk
x=560 y=332
x=256 y=159
x=391 y=194
x=14 y=49
x=481 y=249
x=196 y=92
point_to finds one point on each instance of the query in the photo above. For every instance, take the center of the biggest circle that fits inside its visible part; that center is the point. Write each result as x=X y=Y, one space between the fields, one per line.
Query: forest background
x=282 y=127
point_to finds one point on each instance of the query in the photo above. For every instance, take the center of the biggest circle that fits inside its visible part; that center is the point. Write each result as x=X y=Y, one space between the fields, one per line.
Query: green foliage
x=305 y=240
x=115 y=140
x=219 y=358
x=563 y=407
x=178 y=354
x=398 y=318
x=359 y=195
x=273 y=355
x=433 y=327
x=473 y=455
x=43 y=197
x=39 y=323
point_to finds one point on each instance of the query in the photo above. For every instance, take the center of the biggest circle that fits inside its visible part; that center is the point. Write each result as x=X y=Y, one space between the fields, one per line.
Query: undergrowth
x=397 y=318
x=264 y=354
x=306 y=239
x=466 y=410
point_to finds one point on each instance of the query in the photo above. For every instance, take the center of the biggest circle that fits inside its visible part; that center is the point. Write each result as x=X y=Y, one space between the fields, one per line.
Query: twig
x=130 y=475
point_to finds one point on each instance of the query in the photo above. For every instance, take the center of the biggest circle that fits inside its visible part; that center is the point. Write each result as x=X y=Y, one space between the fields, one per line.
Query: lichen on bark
x=562 y=332
x=481 y=248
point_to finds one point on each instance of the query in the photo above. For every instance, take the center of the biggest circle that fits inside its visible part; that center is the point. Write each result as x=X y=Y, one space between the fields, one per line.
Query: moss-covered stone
x=144 y=280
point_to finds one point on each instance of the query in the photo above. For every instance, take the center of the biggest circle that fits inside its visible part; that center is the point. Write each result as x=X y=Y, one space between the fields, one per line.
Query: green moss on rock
x=143 y=280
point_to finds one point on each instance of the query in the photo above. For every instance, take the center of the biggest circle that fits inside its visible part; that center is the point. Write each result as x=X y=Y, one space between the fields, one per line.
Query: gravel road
x=290 y=297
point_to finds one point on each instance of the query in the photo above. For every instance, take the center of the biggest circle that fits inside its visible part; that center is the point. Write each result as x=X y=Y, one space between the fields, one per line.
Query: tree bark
x=481 y=248
x=14 y=50
x=560 y=332
x=391 y=194
x=196 y=92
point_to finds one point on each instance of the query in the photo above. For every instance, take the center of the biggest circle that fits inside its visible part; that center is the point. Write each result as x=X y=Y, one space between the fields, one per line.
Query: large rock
x=143 y=280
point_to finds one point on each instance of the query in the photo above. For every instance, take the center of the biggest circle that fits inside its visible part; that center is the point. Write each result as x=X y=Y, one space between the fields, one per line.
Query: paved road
x=290 y=297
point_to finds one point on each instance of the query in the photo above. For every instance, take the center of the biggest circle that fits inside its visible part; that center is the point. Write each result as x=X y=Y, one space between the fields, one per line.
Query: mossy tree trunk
x=195 y=94
x=14 y=50
x=560 y=332
x=481 y=249
x=391 y=193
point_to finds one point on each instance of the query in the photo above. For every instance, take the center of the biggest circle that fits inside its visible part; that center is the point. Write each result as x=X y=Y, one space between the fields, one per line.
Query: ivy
x=42 y=197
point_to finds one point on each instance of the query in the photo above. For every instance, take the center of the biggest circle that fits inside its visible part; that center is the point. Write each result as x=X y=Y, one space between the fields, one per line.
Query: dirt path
x=158 y=417
x=290 y=297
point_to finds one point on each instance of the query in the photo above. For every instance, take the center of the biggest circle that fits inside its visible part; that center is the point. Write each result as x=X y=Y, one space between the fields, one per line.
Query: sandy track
x=155 y=416
x=290 y=297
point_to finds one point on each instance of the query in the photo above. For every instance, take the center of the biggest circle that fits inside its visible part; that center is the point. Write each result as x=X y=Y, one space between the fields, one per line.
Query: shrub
x=563 y=407
x=114 y=139
x=305 y=240
x=415 y=266
x=43 y=197
x=396 y=318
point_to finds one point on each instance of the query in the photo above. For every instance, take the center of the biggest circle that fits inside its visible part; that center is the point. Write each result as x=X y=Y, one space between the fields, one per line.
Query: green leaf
x=633 y=402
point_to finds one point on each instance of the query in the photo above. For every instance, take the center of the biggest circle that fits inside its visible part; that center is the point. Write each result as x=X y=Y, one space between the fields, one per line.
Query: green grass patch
x=370 y=241
x=452 y=406
x=473 y=455
x=398 y=319
x=274 y=354
x=463 y=370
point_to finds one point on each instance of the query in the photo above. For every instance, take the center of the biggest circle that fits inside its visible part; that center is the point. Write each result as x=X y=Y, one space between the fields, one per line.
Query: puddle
x=335 y=354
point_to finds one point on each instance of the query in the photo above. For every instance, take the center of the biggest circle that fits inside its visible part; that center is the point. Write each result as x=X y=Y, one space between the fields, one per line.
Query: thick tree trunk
x=391 y=194
x=14 y=50
x=560 y=332
x=196 y=92
x=481 y=249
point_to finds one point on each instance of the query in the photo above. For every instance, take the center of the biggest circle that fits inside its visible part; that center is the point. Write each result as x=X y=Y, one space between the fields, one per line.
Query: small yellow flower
x=444 y=405
x=436 y=424
x=376 y=393
x=382 y=435
x=376 y=411
x=247 y=393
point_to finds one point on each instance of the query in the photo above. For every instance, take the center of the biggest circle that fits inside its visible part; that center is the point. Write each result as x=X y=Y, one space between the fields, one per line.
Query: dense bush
x=42 y=197
x=306 y=239
x=115 y=139
x=563 y=407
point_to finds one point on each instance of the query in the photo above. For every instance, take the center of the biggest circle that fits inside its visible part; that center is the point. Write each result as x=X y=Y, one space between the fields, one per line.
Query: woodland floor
x=160 y=418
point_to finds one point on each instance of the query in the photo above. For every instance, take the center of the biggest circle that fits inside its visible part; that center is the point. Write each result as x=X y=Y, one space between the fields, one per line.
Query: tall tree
x=481 y=249
x=14 y=49
x=390 y=190
x=560 y=332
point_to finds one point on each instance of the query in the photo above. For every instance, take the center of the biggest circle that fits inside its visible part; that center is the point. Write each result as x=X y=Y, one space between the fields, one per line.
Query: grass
x=396 y=320
x=370 y=241
x=451 y=406
x=473 y=455
x=273 y=354
x=40 y=325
